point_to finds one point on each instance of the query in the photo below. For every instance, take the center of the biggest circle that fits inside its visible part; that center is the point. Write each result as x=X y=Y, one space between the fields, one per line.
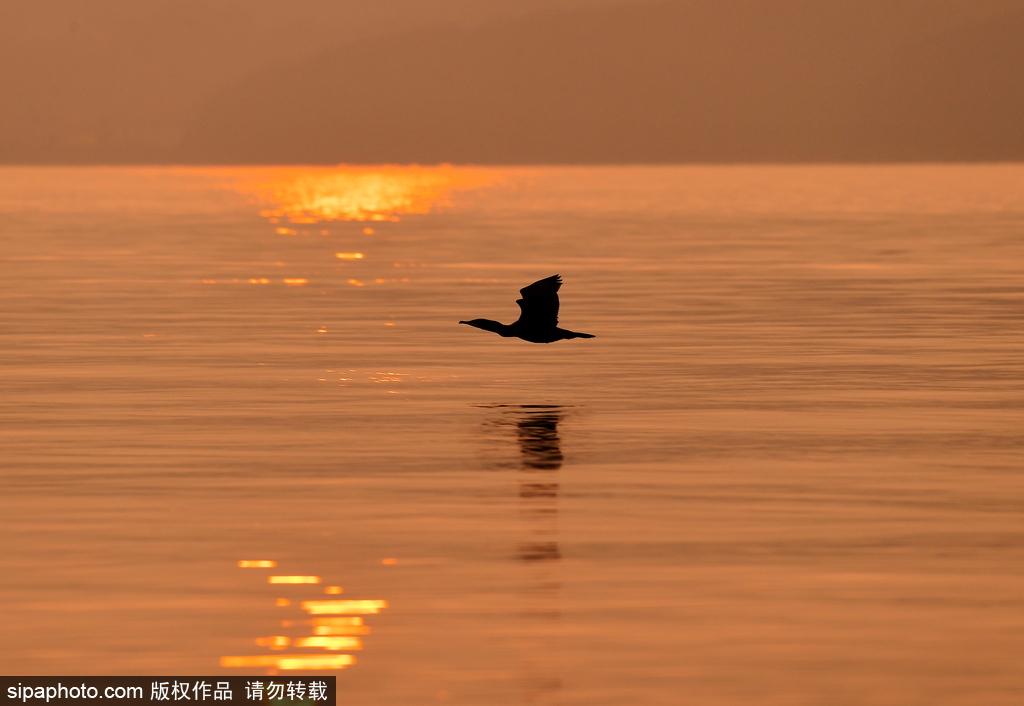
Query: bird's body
x=538 y=320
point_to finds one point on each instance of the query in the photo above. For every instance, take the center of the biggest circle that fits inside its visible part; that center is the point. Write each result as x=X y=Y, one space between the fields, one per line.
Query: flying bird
x=538 y=320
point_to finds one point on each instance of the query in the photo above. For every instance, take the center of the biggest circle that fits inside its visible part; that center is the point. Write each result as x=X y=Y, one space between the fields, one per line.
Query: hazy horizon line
x=497 y=165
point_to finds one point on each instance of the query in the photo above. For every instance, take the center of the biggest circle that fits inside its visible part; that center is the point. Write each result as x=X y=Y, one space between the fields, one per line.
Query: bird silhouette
x=538 y=320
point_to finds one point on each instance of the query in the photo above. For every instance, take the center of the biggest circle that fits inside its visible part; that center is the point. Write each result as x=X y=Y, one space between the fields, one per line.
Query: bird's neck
x=492 y=326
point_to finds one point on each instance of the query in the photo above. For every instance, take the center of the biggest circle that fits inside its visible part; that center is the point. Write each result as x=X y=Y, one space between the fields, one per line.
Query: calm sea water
x=788 y=471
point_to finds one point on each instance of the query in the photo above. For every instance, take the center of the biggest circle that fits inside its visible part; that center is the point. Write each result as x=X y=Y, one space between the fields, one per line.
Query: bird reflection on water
x=540 y=457
x=538 y=437
x=541 y=452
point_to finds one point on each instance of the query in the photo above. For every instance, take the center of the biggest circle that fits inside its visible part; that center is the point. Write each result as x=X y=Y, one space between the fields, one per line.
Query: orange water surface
x=242 y=432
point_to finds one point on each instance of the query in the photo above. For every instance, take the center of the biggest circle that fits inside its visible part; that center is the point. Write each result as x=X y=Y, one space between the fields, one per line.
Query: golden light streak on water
x=343 y=607
x=326 y=662
x=330 y=642
x=341 y=630
x=339 y=621
x=256 y=563
x=288 y=662
x=274 y=642
x=294 y=579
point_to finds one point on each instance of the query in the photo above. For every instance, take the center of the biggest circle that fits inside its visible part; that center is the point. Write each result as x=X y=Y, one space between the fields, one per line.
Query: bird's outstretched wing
x=539 y=304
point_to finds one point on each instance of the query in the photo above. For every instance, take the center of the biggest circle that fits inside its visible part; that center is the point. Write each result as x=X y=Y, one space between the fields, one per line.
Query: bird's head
x=486 y=325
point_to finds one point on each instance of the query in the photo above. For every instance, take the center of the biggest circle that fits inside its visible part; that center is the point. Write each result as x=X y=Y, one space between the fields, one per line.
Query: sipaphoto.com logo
x=72 y=692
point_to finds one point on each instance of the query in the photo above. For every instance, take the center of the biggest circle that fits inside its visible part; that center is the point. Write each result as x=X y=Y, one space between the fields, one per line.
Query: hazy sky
x=543 y=81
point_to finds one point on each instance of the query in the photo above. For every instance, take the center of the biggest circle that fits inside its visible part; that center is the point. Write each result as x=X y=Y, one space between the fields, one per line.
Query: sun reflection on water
x=341 y=203
x=331 y=625
x=311 y=195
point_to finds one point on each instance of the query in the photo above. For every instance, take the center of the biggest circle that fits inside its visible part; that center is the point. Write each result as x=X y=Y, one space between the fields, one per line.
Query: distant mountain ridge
x=684 y=81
